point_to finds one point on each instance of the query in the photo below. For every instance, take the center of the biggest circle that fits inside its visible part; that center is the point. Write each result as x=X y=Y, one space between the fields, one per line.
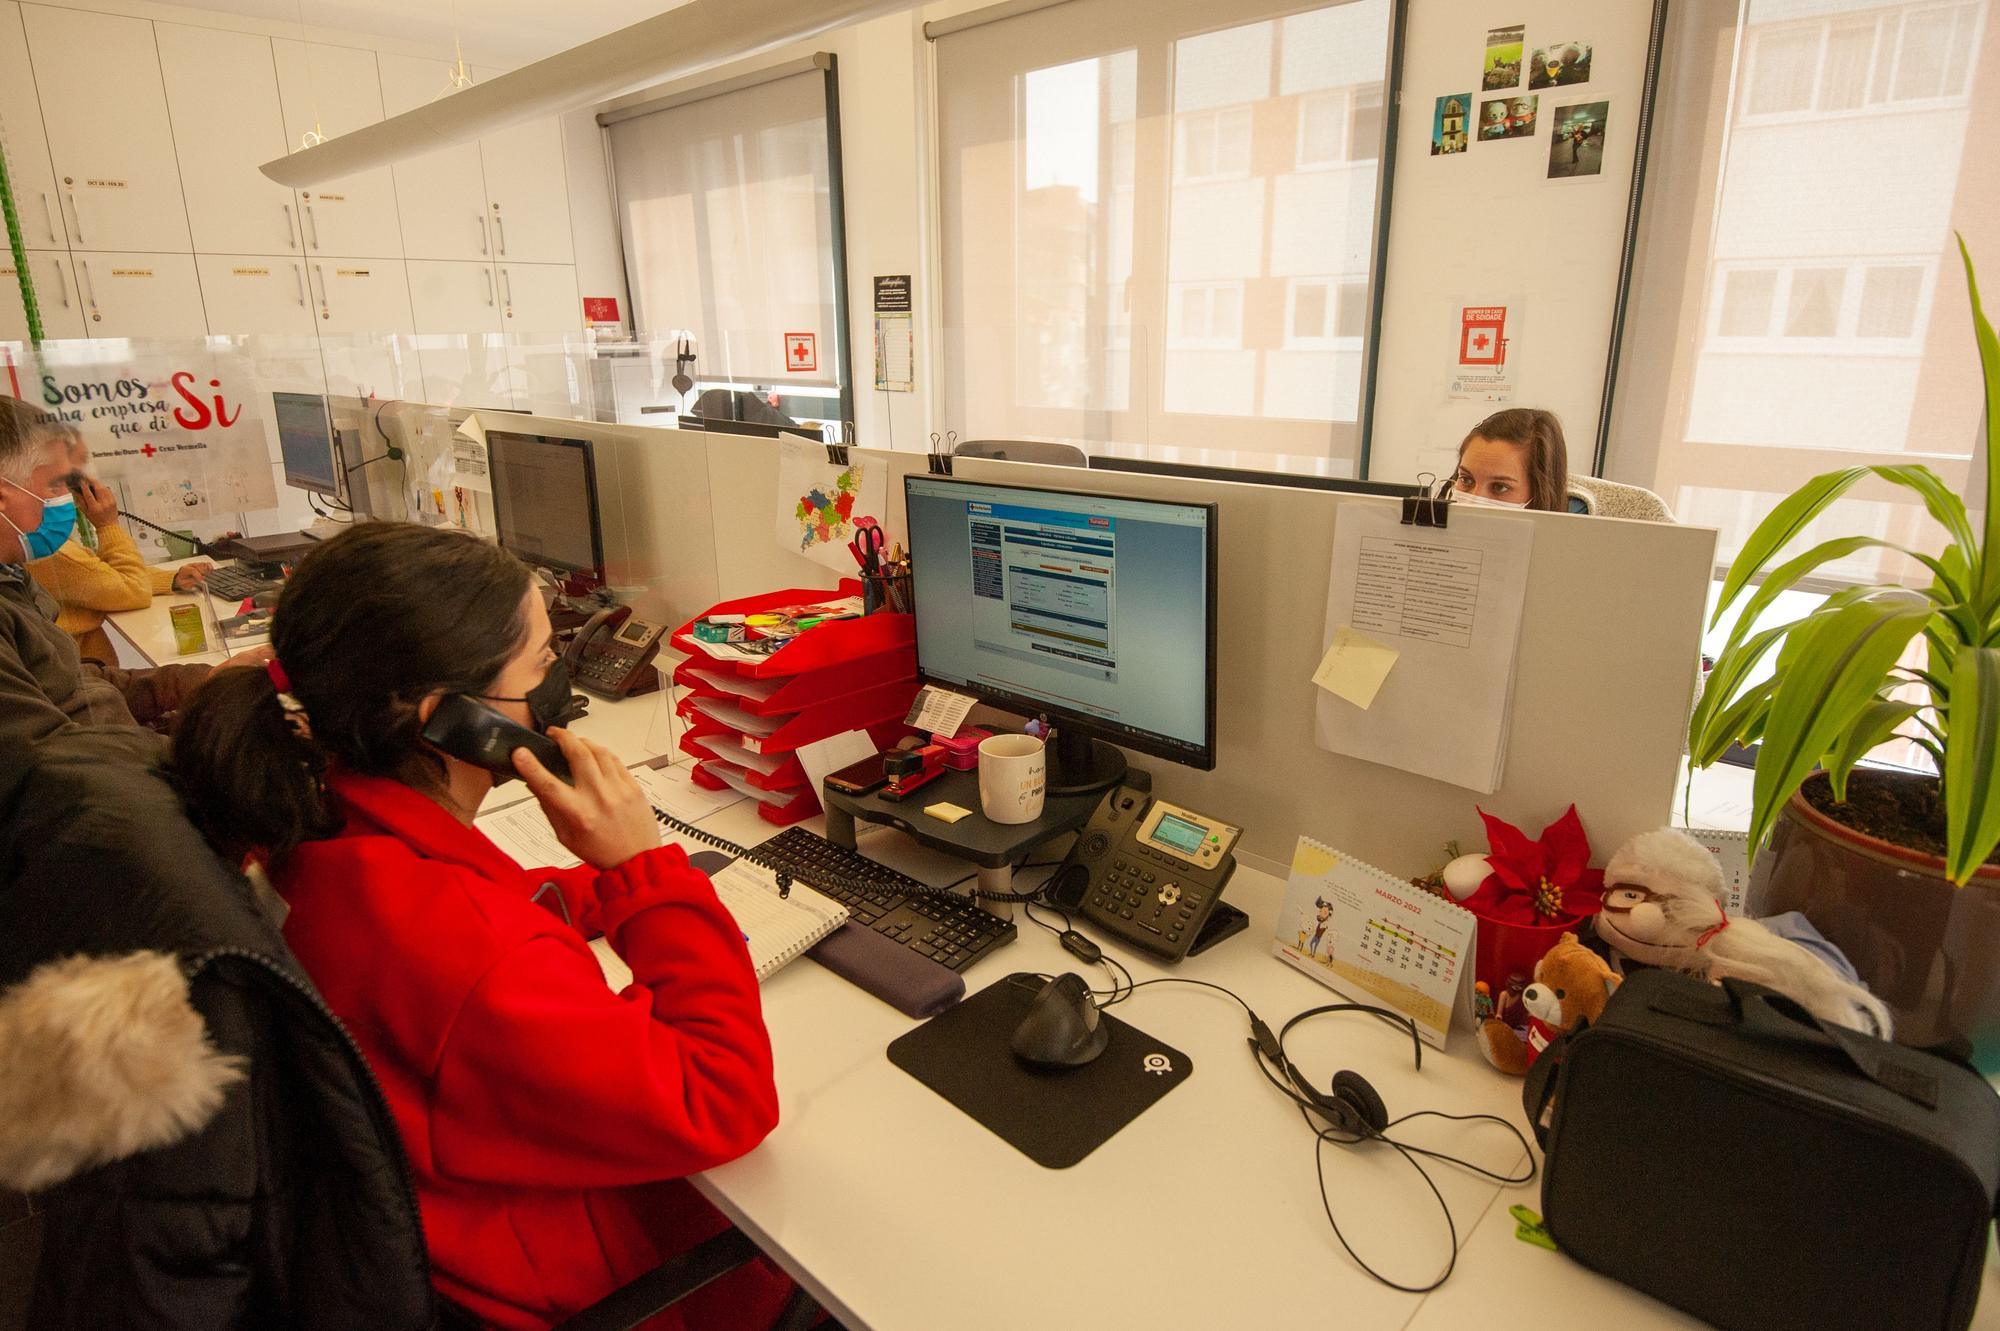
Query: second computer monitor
x=1097 y=610
x=305 y=442
x=545 y=501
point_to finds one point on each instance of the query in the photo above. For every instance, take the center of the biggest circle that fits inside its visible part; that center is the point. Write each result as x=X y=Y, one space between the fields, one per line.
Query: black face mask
x=551 y=702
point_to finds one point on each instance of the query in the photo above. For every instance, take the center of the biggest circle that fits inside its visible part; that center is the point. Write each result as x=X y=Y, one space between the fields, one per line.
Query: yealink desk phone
x=1150 y=873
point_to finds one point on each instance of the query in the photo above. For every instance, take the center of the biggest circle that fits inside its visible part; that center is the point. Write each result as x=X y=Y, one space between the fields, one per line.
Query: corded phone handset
x=1151 y=874
x=612 y=654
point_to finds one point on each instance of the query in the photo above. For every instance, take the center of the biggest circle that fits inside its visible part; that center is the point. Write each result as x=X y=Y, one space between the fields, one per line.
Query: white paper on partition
x=818 y=501
x=1449 y=600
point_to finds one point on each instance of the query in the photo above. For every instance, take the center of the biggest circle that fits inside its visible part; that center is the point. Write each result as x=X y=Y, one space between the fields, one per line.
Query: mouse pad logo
x=1157 y=1064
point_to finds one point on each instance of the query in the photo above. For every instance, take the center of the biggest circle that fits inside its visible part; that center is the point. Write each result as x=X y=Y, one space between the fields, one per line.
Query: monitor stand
x=1081 y=764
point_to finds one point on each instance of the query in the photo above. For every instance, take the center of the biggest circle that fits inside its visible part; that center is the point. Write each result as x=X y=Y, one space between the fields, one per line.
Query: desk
x=901 y=1214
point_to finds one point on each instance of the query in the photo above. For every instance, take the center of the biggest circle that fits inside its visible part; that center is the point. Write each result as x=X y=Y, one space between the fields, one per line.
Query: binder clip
x=1431 y=505
x=941 y=450
x=836 y=455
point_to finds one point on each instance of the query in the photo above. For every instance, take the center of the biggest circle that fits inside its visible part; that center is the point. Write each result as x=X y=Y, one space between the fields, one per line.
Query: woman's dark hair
x=1541 y=434
x=372 y=622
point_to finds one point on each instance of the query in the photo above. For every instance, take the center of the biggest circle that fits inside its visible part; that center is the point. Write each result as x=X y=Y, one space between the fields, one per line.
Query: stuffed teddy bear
x=1571 y=984
x=1663 y=906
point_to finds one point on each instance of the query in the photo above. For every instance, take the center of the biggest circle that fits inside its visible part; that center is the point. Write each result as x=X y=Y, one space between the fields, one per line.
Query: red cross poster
x=800 y=353
x=1480 y=372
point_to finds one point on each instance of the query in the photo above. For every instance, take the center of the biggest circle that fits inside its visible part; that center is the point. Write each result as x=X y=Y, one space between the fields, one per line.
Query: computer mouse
x=265 y=600
x=1062 y=1028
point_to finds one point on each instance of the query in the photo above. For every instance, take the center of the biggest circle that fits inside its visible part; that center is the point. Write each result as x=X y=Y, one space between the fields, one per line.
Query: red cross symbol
x=149 y=450
x=1481 y=342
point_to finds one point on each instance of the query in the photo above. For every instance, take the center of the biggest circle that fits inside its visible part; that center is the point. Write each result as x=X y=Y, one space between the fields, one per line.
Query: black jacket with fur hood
x=208 y=1148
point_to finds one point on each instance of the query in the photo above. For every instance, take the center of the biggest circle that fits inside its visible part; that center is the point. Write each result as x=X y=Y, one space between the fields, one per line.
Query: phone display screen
x=1179 y=833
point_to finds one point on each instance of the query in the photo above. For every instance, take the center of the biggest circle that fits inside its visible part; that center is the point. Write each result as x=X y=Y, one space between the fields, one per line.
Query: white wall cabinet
x=222 y=92
x=441 y=195
x=55 y=296
x=34 y=179
x=538 y=298
x=140 y=295
x=110 y=140
x=337 y=89
x=359 y=295
x=257 y=294
x=527 y=192
x=452 y=297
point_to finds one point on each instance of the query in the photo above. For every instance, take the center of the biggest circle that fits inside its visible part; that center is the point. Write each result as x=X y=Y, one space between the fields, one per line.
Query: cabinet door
x=454 y=297
x=55 y=296
x=440 y=196
x=140 y=295
x=527 y=192
x=539 y=298
x=355 y=296
x=222 y=91
x=253 y=294
x=337 y=89
x=28 y=166
x=105 y=110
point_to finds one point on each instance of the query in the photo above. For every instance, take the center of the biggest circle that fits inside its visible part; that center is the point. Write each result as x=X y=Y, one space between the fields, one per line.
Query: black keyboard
x=233 y=584
x=949 y=929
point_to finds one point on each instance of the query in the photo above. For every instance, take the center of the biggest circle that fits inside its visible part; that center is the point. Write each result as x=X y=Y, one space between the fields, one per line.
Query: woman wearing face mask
x=1516 y=459
x=550 y=1123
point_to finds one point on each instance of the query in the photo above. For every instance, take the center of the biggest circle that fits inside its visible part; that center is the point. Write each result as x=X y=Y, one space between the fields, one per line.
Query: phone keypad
x=1141 y=888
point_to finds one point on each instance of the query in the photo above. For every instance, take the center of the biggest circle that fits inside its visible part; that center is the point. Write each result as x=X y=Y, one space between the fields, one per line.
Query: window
x=726 y=206
x=1141 y=206
x=1856 y=57
x=1861 y=299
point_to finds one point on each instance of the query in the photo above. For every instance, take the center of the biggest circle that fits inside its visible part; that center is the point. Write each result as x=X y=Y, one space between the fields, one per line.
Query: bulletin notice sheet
x=1448 y=601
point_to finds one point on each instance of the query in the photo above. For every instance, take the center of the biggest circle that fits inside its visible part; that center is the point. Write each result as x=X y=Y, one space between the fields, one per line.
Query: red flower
x=1538 y=882
x=844 y=505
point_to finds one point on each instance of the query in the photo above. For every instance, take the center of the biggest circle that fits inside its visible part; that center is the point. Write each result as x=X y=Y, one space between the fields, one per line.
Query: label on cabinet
x=352 y=272
x=105 y=184
x=332 y=198
x=131 y=272
x=249 y=272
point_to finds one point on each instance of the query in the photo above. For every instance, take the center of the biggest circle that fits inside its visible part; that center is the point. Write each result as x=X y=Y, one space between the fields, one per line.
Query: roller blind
x=1158 y=223
x=726 y=211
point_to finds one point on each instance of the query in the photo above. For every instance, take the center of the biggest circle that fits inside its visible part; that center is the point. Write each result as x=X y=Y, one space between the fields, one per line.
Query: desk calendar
x=1375 y=937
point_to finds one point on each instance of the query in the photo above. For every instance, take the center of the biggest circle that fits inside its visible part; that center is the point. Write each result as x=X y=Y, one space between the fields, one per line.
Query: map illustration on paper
x=820 y=500
x=825 y=513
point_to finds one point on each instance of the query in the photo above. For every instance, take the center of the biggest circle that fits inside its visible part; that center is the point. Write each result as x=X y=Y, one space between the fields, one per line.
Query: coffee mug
x=1013 y=778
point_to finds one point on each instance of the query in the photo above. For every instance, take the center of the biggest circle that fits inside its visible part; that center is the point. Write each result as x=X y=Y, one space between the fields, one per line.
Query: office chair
x=1023 y=450
x=1613 y=499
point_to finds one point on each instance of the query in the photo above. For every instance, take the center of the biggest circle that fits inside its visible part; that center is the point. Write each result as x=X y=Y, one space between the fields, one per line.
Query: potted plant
x=1895 y=868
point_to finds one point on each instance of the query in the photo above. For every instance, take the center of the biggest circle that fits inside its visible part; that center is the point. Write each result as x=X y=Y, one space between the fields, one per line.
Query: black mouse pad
x=1055 y=1117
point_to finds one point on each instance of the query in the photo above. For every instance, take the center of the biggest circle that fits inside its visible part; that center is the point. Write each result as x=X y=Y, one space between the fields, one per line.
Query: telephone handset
x=1147 y=872
x=467 y=728
x=612 y=654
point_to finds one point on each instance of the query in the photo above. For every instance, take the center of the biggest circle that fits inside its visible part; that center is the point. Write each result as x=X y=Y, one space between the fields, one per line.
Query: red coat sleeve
x=547 y=1079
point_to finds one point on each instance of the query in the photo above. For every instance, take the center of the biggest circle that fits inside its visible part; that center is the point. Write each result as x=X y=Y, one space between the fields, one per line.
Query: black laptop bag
x=1722 y=1150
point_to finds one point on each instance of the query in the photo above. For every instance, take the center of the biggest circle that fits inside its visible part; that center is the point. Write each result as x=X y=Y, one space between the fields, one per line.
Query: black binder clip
x=836 y=455
x=941 y=450
x=1431 y=505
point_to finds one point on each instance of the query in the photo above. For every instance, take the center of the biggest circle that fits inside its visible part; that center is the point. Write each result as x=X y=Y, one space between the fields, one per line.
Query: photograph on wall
x=1576 y=141
x=1448 y=131
x=1508 y=118
x=1503 y=58
x=1559 y=65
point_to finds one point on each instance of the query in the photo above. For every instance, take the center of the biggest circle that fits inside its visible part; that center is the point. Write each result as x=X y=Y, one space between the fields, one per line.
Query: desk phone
x=612 y=655
x=1147 y=872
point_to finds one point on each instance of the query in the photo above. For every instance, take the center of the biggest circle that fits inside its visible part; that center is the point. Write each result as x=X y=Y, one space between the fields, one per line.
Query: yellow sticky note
x=1354 y=666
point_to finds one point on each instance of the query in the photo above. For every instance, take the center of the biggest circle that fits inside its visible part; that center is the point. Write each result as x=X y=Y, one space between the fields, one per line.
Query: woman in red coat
x=550 y=1123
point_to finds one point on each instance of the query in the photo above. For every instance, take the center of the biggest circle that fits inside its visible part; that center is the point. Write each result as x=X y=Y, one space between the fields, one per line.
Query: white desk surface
x=902 y=1214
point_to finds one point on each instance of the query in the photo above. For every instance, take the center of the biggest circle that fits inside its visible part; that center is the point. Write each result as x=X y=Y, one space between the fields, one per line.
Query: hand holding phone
x=603 y=817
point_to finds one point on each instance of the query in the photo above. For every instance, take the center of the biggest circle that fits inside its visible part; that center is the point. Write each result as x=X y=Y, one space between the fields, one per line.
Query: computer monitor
x=1251 y=476
x=1095 y=610
x=352 y=459
x=305 y=441
x=545 y=502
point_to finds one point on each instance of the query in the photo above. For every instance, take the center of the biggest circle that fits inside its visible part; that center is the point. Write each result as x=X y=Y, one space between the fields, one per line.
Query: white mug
x=1013 y=777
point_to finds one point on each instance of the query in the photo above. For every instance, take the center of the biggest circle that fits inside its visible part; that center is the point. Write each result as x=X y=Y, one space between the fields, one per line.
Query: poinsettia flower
x=1542 y=882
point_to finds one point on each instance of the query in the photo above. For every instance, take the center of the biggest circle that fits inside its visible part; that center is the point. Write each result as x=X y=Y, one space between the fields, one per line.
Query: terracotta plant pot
x=1929 y=950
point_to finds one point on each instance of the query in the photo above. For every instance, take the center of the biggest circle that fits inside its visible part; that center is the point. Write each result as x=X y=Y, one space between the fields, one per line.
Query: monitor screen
x=352 y=459
x=305 y=441
x=545 y=500
x=1095 y=609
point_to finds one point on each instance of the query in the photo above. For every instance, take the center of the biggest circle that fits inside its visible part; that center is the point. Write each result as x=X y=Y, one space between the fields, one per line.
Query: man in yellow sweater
x=91 y=584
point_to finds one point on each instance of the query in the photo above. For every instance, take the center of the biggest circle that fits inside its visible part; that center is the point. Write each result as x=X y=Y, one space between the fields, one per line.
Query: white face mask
x=1485 y=501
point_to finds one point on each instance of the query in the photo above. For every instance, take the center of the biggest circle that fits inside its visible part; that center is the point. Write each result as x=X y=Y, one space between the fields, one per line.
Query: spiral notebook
x=776 y=929
x=1376 y=938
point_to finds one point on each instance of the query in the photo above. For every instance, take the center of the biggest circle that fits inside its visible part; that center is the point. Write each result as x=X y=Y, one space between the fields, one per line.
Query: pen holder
x=886 y=591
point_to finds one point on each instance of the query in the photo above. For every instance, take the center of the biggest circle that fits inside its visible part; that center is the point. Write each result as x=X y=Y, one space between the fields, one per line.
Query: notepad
x=776 y=929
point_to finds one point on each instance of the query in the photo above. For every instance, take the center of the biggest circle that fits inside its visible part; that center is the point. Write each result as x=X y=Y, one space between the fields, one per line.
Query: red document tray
x=854 y=711
x=835 y=643
x=801 y=691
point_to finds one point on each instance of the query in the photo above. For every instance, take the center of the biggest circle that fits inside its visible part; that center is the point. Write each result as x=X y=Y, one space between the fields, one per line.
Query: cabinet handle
x=482 y=238
x=499 y=232
x=487 y=273
x=48 y=216
x=76 y=216
x=87 y=287
x=290 y=243
x=507 y=280
x=313 y=221
x=325 y=306
x=299 y=281
x=62 y=283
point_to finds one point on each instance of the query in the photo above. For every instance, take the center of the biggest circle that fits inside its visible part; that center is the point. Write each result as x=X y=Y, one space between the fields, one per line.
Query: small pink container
x=961 y=751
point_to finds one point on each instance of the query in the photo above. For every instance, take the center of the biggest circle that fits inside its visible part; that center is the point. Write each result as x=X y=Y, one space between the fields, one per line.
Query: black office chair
x=1023 y=450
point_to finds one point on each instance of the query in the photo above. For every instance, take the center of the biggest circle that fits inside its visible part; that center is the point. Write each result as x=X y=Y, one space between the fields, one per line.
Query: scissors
x=867 y=547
